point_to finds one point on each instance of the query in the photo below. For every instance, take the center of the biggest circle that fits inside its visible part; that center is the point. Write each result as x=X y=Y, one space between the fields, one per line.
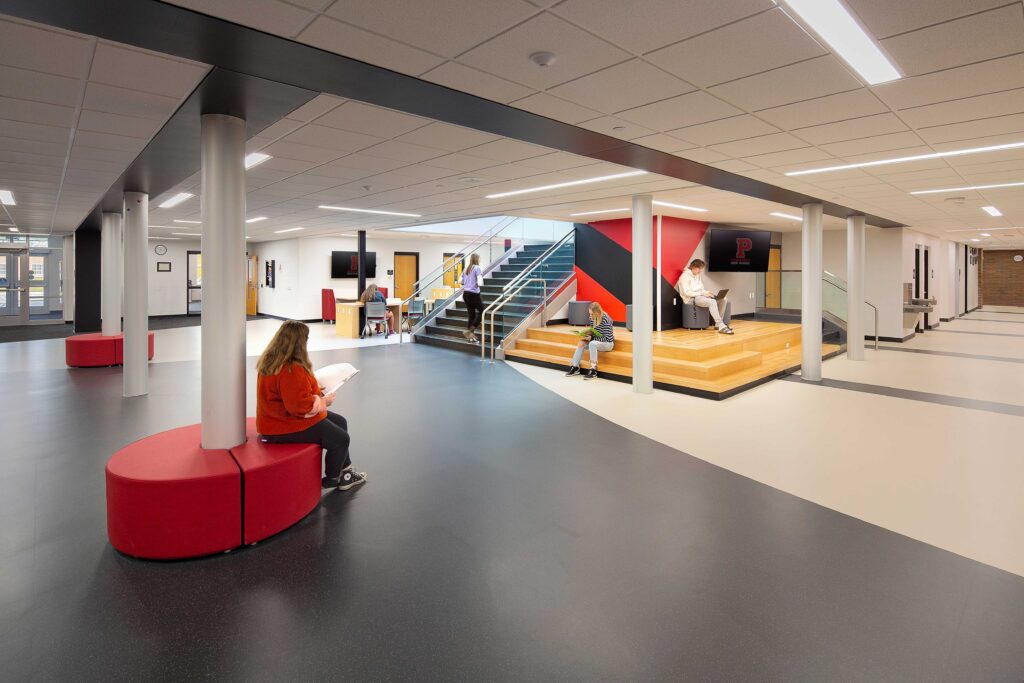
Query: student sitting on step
x=604 y=340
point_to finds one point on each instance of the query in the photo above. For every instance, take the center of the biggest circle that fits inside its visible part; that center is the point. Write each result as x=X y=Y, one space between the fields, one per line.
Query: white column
x=67 y=271
x=810 y=294
x=110 y=274
x=855 y=325
x=136 y=294
x=223 y=246
x=643 y=302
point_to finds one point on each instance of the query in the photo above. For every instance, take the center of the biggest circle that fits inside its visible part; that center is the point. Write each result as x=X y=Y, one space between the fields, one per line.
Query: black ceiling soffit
x=183 y=33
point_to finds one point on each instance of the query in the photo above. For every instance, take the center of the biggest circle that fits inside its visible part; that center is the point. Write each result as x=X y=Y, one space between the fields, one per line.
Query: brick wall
x=1002 y=279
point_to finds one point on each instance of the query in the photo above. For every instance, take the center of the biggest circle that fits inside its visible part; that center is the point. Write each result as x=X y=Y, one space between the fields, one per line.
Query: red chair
x=327 y=304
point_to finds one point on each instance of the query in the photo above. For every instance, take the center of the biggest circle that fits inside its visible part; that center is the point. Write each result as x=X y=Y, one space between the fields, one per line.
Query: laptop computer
x=721 y=295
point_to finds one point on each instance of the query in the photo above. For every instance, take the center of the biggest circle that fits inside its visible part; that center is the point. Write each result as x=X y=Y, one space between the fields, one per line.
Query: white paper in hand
x=333 y=377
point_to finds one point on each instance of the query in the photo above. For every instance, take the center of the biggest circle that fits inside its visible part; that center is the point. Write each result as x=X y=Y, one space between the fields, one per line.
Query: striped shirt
x=605 y=329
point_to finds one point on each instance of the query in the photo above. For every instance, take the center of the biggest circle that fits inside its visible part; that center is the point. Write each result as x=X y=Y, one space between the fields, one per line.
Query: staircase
x=446 y=328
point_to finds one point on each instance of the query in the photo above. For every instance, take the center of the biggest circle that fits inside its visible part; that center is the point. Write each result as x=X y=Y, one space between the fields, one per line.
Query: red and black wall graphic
x=604 y=264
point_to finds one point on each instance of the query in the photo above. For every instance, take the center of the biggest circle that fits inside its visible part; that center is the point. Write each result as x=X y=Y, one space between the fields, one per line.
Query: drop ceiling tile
x=39 y=49
x=291 y=150
x=615 y=127
x=623 y=86
x=967 y=109
x=56 y=149
x=777 y=142
x=447 y=137
x=270 y=16
x=318 y=106
x=555 y=108
x=883 y=18
x=643 y=26
x=852 y=129
x=26 y=111
x=557 y=161
x=369 y=163
x=332 y=138
x=677 y=112
x=144 y=71
x=117 y=125
x=446 y=27
x=991 y=34
x=759 y=43
x=112 y=100
x=121 y=143
x=39 y=87
x=663 y=142
x=370 y=120
x=702 y=156
x=804 y=81
x=999 y=125
x=733 y=165
x=334 y=36
x=724 y=130
x=402 y=151
x=508 y=150
x=790 y=159
x=880 y=143
x=475 y=82
x=847 y=105
x=577 y=53
x=975 y=79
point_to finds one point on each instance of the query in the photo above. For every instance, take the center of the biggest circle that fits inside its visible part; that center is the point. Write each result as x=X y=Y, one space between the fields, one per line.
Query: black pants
x=475 y=307
x=331 y=433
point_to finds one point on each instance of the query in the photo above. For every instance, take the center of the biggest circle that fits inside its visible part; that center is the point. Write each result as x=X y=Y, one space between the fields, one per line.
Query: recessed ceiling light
x=975 y=239
x=278 y=232
x=257 y=219
x=593 y=213
x=976 y=229
x=373 y=211
x=12 y=229
x=833 y=23
x=176 y=199
x=255 y=159
x=972 y=187
x=992 y=211
x=678 y=206
x=571 y=183
x=986 y=234
x=787 y=216
x=187 y=234
x=7 y=198
x=916 y=157
x=178 y=220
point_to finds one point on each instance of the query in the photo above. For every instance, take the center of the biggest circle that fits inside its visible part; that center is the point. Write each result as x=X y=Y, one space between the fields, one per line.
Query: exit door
x=14 y=290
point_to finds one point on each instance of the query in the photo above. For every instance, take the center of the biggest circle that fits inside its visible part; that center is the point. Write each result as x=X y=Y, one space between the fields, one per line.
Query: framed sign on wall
x=163 y=266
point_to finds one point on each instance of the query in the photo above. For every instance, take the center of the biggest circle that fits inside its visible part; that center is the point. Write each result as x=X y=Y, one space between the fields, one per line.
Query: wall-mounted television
x=739 y=251
x=345 y=264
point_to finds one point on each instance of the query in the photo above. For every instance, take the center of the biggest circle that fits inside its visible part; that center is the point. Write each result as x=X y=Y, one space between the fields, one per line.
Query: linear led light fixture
x=992 y=211
x=986 y=234
x=830 y=20
x=916 y=157
x=678 y=206
x=975 y=239
x=157 y=237
x=257 y=219
x=788 y=216
x=187 y=234
x=12 y=229
x=373 y=211
x=176 y=199
x=972 y=187
x=594 y=213
x=571 y=183
x=278 y=232
x=656 y=203
x=255 y=159
x=977 y=229
x=178 y=220
x=7 y=198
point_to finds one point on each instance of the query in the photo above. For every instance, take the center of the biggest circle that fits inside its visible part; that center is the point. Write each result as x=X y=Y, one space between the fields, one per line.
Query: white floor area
x=948 y=476
x=183 y=343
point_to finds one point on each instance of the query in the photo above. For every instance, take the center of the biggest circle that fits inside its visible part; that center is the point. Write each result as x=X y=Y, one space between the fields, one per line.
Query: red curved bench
x=94 y=350
x=169 y=498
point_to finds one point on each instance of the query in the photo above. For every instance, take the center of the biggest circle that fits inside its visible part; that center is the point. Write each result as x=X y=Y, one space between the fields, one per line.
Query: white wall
x=973 y=284
x=167 y=290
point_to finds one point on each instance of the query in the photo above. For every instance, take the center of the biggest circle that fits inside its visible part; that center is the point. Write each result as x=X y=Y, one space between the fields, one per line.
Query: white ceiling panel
x=623 y=86
x=777 y=142
x=847 y=105
x=113 y=100
x=271 y=16
x=27 y=111
x=39 y=87
x=880 y=143
x=316 y=107
x=447 y=137
x=334 y=36
x=508 y=150
x=332 y=138
x=291 y=150
x=759 y=43
x=616 y=127
x=475 y=82
x=956 y=83
x=369 y=120
x=144 y=71
x=678 y=112
x=884 y=18
x=446 y=27
x=578 y=53
x=791 y=159
x=555 y=108
x=804 y=81
x=46 y=50
x=663 y=142
x=852 y=129
x=967 y=109
x=998 y=125
x=402 y=151
x=725 y=130
x=115 y=124
x=991 y=34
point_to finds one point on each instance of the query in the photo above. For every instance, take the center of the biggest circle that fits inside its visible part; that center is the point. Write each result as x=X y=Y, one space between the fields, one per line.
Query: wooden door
x=773 y=278
x=407 y=267
x=251 y=291
x=452 y=276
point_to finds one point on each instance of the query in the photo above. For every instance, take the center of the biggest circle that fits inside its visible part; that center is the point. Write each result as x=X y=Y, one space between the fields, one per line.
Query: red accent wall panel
x=588 y=289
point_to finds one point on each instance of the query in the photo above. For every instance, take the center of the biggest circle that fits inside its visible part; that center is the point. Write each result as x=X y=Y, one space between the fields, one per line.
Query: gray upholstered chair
x=579 y=313
x=695 y=317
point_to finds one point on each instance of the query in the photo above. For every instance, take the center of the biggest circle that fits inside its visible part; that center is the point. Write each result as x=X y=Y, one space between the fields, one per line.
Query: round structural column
x=67 y=291
x=223 y=246
x=110 y=274
x=643 y=301
x=855 y=328
x=810 y=294
x=136 y=294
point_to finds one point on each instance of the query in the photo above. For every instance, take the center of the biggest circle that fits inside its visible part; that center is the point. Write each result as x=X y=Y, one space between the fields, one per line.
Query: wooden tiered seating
x=700 y=362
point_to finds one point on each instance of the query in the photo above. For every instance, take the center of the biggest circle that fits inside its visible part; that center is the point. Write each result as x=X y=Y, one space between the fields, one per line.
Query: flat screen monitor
x=345 y=264
x=740 y=251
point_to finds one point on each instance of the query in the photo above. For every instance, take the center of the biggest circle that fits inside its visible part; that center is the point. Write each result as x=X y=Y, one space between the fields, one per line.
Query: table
x=347 y=316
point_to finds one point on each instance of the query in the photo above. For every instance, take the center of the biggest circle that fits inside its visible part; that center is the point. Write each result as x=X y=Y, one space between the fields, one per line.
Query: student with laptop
x=692 y=290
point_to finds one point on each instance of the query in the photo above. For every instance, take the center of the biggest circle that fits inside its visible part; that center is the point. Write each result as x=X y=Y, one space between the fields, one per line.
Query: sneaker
x=590 y=374
x=351 y=479
x=725 y=329
x=573 y=370
x=468 y=335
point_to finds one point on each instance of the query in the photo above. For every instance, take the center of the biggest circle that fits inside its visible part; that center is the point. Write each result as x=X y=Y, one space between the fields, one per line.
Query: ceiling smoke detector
x=543 y=59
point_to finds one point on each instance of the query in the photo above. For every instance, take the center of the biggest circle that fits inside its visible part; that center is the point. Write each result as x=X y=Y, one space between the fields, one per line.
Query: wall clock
x=160 y=250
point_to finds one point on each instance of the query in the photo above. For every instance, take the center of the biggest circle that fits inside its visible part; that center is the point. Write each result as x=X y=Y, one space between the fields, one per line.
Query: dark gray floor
x=505 y=534
x=18 y=333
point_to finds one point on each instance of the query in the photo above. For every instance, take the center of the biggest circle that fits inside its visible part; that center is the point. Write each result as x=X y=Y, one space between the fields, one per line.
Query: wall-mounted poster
x=163 y=266
x=270 y=273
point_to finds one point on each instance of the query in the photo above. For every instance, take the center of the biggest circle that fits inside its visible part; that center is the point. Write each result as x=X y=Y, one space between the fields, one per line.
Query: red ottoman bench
x=168 y=498
x=281 y=483
x=119 y=348
x=94 y=350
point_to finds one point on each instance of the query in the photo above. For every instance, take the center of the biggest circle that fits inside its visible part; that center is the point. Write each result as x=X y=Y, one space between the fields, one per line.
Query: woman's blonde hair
x=368 y=293
x=596 y=312
x=474 y=260
x=288 y=346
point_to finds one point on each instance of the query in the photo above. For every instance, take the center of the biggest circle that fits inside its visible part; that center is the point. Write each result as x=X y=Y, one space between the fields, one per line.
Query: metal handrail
x=540 y=259
x=500 y=303
x=554 y=293
x=835 y=282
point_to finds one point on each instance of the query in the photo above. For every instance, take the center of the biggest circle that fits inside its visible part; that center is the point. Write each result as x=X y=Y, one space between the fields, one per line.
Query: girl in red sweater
x=291 y=408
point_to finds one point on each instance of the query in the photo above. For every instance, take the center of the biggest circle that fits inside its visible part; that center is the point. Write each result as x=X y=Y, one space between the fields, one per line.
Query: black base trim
x=557 y=321
x=946 y=320
x=897 y=340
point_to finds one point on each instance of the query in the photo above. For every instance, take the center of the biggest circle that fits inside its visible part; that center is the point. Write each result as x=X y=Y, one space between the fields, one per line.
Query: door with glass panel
x=194 y=284
x=14 y=289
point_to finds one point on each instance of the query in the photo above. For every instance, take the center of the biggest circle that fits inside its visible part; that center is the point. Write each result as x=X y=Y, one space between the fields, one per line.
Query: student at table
x=371 y=293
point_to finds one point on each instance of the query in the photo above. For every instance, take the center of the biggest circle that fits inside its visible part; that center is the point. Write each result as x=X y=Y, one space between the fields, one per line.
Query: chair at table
x=375 y=313
x=328 y=312
x=416 y=310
